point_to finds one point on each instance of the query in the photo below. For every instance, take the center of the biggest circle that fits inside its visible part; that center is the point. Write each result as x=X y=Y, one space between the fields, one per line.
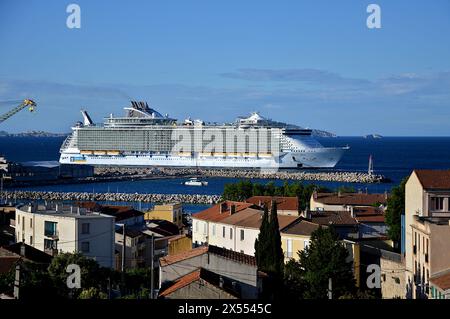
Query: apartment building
x=57 y=228
x=170 y=212
x=296 y=237
x=427 y=228
x=232 y=225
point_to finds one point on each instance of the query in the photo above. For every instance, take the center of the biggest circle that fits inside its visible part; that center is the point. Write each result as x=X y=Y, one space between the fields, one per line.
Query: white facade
x=67 y=229
x=232 y=237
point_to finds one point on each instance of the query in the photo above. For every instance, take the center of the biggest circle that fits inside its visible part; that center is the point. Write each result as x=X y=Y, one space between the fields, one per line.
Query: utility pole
x=152 y=261
x=330 y=288
x=17 y=282
x=124 y=243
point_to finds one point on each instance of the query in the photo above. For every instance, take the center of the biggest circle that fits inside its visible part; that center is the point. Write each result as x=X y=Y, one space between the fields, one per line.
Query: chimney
x=220 y=282
x=232 y=209
x=385 y=195
x=22 y=250
x=352 y=213
x=223 y=207
x=359 y=191
x=339 y=194
x=260 y=203
x=315 y=194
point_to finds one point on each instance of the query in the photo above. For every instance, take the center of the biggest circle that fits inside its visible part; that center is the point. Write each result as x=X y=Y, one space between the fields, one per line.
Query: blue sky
x=311 y=63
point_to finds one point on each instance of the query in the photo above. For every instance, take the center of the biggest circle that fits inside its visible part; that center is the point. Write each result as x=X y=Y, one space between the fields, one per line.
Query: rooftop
x=171 y=259
x=119 y=212
x=283 y=203
x=343 y=218
x=442 y=281
x=300 y=227
x=206 y=275
x=221 y=211
x=59 y=210
x=355 y=199
x=433 y=179
x=368 y=214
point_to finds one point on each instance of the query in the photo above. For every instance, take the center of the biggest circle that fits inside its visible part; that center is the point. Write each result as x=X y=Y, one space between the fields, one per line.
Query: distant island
x=321 y=133
x=373 y=136
x=32 y=134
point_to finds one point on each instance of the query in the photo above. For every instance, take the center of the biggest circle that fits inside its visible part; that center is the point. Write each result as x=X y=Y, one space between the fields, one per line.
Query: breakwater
x=113 y=197
x=137 y=172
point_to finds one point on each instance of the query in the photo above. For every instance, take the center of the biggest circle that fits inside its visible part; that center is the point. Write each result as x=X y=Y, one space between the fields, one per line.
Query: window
x=31 y=222
x=223 y=232
x=196 y=226
x=289 y=248
x=23 y=222
x=50 y=229
x=85 y=228
x=231 y=233
x=242 y=234
x=31 y=240
x=214 y=230
x=204 y=228
x=437 y=203
x=85 y=247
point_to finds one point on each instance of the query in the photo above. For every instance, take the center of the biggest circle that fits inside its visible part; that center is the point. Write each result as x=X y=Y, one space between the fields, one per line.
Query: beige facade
x=169 y=212
x=67 y=229
x=427 y=229
x=393 y=283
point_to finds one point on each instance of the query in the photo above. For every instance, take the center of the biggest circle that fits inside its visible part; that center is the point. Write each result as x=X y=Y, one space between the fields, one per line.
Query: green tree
x=92 y=293
x=269 y=254
x=395 y=209
x=326 y=258
x=92 y=275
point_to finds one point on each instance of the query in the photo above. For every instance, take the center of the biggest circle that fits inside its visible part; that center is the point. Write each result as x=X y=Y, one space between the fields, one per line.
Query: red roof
x=342 y=218
x=368 y=214
x=215 y=213
x=171 y=259
x=283 y=203
x=182 y=282
x=442 y=281
x=433 y=179
x=355 y=199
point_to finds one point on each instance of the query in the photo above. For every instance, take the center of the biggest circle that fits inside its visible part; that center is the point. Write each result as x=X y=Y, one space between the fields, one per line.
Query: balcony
x=52 y=234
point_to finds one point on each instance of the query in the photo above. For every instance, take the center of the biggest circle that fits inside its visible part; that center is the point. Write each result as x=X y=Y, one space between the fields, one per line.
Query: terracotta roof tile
x=214 y=213
x=210 y=277
x=434 y=179
x=301 y=227
x=442 y=281
x=360 y=199
x=171 y=259
x=283 y=203
x=232 y=255
x=182 y=282
x=368 y=215
x=342 y=218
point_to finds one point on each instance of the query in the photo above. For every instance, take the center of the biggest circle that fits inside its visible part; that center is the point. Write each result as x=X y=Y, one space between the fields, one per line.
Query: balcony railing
x=52 y=234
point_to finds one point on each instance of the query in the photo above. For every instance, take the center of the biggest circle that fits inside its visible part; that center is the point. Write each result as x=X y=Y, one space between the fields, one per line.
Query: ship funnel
x=86 y=118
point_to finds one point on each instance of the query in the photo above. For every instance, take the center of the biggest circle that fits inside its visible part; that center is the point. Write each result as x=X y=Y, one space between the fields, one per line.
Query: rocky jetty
x=116 y=197
x=136 y=172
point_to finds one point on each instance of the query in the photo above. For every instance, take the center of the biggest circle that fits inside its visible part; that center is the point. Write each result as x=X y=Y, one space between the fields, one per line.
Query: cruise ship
x=145 y=137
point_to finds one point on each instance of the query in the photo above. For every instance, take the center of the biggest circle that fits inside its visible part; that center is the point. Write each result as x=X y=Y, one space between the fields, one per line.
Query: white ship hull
x=313 y=158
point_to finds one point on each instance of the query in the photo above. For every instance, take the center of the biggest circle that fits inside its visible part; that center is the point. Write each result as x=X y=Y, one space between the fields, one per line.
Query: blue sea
x=393 y=157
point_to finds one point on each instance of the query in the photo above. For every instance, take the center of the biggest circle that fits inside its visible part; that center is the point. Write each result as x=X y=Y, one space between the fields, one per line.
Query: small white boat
x=195 y=182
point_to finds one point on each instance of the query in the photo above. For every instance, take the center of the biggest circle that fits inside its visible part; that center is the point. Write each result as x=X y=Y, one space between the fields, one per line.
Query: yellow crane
x=25 y=103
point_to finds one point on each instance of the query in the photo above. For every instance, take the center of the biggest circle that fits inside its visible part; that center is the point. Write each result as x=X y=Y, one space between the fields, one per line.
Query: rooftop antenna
x=370 y=169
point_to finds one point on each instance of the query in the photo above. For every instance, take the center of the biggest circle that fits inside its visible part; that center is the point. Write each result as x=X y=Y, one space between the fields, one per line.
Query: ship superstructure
x=145 y=137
